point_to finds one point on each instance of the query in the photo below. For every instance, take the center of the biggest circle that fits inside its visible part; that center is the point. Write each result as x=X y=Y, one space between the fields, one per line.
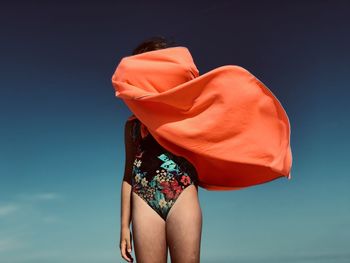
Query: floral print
x=158 y=176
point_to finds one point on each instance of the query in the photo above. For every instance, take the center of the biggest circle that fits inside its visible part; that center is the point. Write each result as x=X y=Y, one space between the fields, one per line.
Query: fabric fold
x=226 y=122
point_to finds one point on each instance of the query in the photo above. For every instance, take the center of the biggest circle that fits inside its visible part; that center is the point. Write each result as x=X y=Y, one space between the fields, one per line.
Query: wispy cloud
x=22 y=200
x=46 y=196
x=8 y=209
x=40 y=196
x=7 y=244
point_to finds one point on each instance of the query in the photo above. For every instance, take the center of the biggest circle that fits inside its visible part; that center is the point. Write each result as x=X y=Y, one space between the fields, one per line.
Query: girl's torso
x=150 y=156
x=158 y=176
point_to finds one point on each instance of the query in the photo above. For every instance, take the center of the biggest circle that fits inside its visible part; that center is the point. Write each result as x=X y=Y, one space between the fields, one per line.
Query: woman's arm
x=126 y=183
x=125 y=233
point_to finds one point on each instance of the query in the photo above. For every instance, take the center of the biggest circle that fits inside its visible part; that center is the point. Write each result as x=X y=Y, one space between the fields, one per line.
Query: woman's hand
x=125 y=244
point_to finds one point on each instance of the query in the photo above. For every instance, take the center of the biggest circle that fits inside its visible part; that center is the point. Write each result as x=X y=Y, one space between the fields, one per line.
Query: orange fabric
x=226 y=122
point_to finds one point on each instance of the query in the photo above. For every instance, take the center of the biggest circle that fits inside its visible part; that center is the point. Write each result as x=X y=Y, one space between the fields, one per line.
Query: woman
x=159 y=195
x=226 y=123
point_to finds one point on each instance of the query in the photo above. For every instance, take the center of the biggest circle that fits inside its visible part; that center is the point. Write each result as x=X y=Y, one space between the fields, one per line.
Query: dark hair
x=154 y=43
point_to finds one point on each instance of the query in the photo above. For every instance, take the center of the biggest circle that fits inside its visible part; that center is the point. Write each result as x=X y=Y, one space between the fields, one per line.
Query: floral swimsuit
x=158 y=176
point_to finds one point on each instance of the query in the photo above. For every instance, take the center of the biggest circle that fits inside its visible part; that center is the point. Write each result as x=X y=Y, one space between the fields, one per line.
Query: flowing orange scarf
x=226 y=122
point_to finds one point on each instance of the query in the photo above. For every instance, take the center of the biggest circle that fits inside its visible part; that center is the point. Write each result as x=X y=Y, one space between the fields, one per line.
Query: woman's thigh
x=184 y=227
x=149 y=236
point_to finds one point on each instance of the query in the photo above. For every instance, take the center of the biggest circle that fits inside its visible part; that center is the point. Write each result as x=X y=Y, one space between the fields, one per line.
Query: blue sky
x=61 y=128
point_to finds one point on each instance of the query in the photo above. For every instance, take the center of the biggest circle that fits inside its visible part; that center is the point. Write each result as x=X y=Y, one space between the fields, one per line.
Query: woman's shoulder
x=132 y=120
x=137 y=126
x=132 y=127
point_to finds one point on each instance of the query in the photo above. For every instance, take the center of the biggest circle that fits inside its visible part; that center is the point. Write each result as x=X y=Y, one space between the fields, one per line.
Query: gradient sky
x=61 y=128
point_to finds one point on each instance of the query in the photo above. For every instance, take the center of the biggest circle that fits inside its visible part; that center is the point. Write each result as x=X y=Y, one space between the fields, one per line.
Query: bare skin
x=181 y=232
x=184 y=227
